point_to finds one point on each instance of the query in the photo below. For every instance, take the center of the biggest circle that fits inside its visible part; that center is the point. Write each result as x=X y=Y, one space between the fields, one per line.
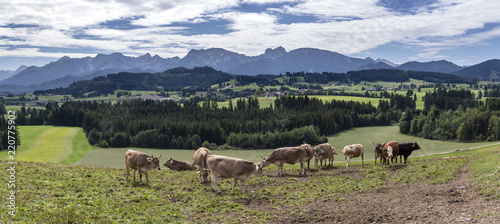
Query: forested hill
x=203 y=77
x=176 y=78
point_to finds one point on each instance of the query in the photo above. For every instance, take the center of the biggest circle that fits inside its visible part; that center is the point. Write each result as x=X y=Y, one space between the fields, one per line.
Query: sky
x=465 y=32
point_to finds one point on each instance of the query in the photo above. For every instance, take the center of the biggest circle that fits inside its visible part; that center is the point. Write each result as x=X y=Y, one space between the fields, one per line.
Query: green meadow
x=68 y=145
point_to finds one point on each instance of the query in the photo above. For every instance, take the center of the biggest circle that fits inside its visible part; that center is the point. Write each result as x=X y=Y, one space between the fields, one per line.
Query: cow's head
x=169 y=163
x=154 y=162
x=390 y=153
x=203 y=173
x=377 y=147
x=259 y=171
x=415 y=146
x=265 y=162
x=319 y=153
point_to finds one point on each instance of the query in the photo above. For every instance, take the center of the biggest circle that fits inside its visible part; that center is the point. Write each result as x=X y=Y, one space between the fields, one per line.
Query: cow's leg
x=406 y=157
x=134 y=174
x=241 y=186
x=302 y=169
x=126 y=178
x=147 y=177
x=235 y=180
x=214 y=182
x=348 y=158
x=140 y=176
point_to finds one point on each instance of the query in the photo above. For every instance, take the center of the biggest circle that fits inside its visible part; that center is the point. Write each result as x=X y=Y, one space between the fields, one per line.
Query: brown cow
x=390 y=151
x=230 y=167
x=179 y=165
x=289 y=155
x=377 y=149
x=200 y=160
x=322 y=152
x=353 y=151
x=142 y=162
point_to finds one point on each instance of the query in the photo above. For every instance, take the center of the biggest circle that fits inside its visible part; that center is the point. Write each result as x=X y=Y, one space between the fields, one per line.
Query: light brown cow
x=142 y=162
x=289 y=155
x=200 y=160
x=377 y=149
x=322 y=152
x=179 y=165
x=230 y=167
x=390 y=151
x=353 y=151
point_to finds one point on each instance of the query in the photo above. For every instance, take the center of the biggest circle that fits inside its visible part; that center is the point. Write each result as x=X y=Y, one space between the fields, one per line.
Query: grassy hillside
x=77 y=194
x=64 y=145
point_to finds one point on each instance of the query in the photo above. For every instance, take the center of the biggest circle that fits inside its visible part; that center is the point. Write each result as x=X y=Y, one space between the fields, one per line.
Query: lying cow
x=353 y=151
x=230 y=167
x=142 y=162
x=322 y=152
x=288 y=155
x=200 y=160
x=390 y=151
x=179 y=165
x=377 y=149
x=405 y=149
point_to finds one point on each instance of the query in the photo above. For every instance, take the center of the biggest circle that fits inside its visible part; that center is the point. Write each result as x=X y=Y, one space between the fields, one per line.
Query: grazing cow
x=309 y=156
x=322 y=152
x=390 y=151
x=179 y=165
x=377 y=149
x=230 y=167
x=405 y=149
x=142 y=162
x=353 y=151
x=289 y=155
x=200 y=160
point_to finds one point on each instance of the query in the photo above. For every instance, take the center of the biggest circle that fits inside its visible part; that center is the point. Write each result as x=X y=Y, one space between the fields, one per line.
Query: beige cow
x=230 y=167
x=288 y=155
x=142 y=162
x=322 y=152
x=200 y=160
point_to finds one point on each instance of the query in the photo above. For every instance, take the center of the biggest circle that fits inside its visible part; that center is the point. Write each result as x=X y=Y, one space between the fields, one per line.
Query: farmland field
x=113 y=157
x=427 y=190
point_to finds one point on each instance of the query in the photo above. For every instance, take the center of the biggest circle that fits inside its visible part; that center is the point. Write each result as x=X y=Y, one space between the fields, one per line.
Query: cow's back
x=133 y=159
x=200 y=157
x=228 y=167
x=405 y=148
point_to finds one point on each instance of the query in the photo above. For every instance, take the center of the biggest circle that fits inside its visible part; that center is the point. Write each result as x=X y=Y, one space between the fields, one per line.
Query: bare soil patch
x=455 y=202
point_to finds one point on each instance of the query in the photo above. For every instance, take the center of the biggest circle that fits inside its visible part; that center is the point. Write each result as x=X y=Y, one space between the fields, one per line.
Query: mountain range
x=276 y=61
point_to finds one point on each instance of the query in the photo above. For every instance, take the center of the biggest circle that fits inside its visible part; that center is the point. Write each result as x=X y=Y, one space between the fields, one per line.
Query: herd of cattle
x=206 y=163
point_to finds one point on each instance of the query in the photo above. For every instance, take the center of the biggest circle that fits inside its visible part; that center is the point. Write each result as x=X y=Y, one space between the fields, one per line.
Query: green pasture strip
x=80 y=147
x=27 y=135
x=52 y=145
x=115 y=157
x=374 y=101
x=69 y=194
x=486 y=172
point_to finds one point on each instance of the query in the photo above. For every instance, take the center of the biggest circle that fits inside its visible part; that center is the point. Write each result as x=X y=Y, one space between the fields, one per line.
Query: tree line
x=454 y=115
x=168 y=124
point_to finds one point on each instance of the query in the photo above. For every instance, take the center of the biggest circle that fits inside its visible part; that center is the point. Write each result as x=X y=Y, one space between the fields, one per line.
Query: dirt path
x=455 y=202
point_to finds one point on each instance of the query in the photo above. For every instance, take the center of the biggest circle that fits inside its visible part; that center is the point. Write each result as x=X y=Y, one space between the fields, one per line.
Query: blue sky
x=465 y=32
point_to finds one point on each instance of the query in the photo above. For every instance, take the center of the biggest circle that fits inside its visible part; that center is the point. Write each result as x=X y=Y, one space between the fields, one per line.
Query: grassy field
x=78 y=194
x=114 y=157
x=51 y=144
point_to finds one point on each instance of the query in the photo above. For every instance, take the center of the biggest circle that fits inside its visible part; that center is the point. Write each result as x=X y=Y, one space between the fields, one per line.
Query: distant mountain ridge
x=63 y=72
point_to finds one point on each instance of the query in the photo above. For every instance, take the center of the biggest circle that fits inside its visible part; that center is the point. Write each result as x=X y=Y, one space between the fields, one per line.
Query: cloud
x=164 y=28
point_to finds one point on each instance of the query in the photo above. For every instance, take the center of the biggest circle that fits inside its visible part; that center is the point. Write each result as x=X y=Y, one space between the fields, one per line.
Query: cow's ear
x=150 y=159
